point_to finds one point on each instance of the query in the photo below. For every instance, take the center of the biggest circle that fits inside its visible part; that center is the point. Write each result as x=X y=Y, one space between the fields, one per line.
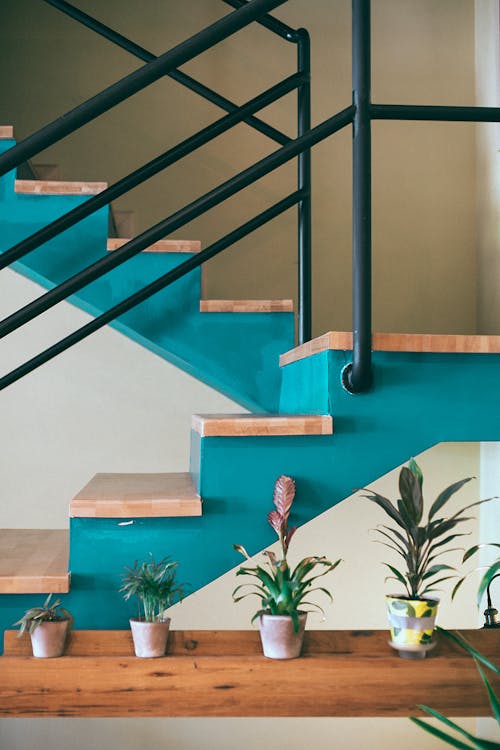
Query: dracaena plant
x=281 y=589
x=48 y=612
x=154 y=586
x=418 y=540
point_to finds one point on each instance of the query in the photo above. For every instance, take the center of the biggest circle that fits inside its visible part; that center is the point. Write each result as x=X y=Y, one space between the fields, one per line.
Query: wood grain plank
x=246 y=305
x=34 y=561
x=342 y=673
x=397 y=342
x=58 y=187
x=123 y=495
x=162 y=246
x=6 y=132
x=245 y=425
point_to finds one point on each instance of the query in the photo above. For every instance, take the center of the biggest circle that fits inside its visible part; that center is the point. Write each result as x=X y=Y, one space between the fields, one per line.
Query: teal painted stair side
x=419 y=400
x=235 y=353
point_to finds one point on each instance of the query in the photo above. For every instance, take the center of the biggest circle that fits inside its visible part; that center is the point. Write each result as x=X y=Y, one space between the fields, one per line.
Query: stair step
x=58 y=187
x=138 y=496
x=246 y=305
x=6 y=132
x=34 y=561
x=245 y=425
x=162 y=246
x=398 y=342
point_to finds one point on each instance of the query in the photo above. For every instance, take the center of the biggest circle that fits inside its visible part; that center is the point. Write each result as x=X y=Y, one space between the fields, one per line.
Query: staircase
x=306 y=420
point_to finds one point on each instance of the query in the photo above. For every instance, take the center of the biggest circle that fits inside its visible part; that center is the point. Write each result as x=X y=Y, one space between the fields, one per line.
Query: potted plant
x=282 y=590
x=155 y=588
x=48 y=627
x=492 y=618
x=420 y=542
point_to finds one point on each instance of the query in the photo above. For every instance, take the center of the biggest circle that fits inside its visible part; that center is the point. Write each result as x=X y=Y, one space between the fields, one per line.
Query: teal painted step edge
x=235 y=353
x=419 y=400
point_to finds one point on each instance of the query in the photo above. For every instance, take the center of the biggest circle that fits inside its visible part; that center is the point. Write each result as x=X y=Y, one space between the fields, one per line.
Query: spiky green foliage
x=48 y=612
x=489 y=574
x=154 y=585
x=420 y=541
x=281 y=589
x=471 y=742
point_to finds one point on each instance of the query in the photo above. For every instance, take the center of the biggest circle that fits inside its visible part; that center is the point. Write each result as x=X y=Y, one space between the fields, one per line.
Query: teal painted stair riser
x=419 y=400
x=235 y=353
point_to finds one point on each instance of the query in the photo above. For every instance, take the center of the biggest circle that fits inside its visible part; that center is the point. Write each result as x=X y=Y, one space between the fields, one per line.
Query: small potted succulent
x=48 y=627
x=154 y=586
x=420 y=542
x=282 y=590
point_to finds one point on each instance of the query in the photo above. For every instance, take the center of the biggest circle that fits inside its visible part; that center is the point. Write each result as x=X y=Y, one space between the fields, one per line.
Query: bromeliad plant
x=154 y=585
x=281 y=589
x=48 y=612
x=417 y=540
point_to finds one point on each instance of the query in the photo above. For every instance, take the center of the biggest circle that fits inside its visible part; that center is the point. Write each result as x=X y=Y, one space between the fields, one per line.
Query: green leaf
x=387 y=506
x=487 y=578
x=411 y=493
x=445 y=495
x=472 y=550
x=494 y=702
x=463 y=643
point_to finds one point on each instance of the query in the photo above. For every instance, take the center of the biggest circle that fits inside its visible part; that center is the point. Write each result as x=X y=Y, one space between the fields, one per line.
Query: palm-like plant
x=154 y=585
x=417 y=540
x=281 y=589
x=48 y=612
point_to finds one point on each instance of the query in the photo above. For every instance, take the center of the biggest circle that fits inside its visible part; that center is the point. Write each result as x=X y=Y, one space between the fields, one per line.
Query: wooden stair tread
x=246 y=305
x=398 y=342
x=58 y=187
x=6 y=132
x=123 y=495
x=245 y=425
x=99 y=676
x=34 y=561
x=162 y=246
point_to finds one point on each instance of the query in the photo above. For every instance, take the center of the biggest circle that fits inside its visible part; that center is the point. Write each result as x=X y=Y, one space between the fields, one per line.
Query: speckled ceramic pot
x=150 y=638
x=49 y=638
x=279 y=639
x=412 y=625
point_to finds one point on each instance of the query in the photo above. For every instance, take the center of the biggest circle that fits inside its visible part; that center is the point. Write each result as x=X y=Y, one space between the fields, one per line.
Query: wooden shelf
x=253 y=425
x=222 y=673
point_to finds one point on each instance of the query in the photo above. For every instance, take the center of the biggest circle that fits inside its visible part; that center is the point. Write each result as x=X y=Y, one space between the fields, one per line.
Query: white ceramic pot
x=49 y=638
x=150 y=638
x=279 y=639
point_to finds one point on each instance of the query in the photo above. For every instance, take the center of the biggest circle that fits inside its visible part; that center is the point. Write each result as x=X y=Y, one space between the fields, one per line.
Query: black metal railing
x=155 y=68
x=357 y=375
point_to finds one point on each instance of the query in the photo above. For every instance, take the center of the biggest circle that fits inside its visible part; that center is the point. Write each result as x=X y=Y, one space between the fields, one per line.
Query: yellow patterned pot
x=412 y=625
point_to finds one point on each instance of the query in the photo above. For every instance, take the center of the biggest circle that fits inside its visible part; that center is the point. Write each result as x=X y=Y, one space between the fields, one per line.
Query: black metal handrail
x=134 y=82
x=190 y=212
x=177 y=75
x=273 y=24
x=153 y=167
x=148 y=291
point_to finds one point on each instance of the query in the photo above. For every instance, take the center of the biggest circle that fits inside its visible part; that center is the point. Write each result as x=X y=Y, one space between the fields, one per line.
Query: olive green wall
x=423 y=175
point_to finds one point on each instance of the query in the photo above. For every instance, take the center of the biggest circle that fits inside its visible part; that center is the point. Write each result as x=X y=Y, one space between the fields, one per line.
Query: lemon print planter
x=412 y=625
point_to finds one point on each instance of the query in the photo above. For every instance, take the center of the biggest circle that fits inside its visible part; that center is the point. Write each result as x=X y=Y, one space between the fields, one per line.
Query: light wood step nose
x=246 y=425
x=162 y=246
x=58 y=187
x=34 y=561
x=246 y=305
x=126 y=495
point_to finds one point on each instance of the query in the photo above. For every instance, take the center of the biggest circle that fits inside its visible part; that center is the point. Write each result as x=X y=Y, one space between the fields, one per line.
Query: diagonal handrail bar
x=178 y=219
x=270 y=22
x=134 y=82
x=148 y=170
x=148 y=291
x=177 y=75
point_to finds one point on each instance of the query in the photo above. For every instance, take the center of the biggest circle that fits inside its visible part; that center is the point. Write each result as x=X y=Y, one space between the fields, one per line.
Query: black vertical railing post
x=359 y=377
x=304 y=185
